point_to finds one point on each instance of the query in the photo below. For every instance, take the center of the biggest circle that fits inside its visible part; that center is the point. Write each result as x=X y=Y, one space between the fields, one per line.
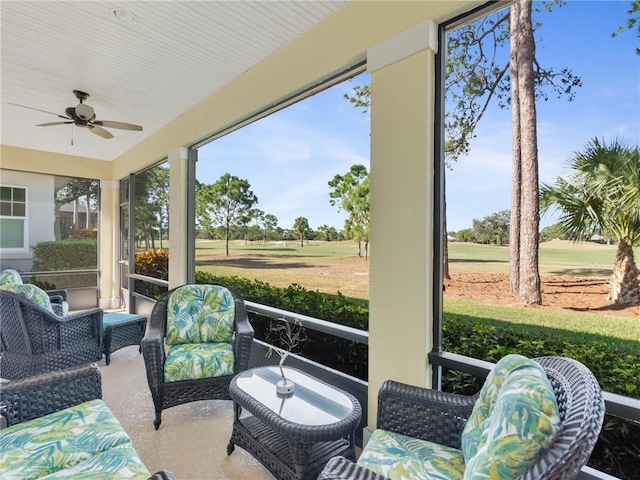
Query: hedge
x=69 y=254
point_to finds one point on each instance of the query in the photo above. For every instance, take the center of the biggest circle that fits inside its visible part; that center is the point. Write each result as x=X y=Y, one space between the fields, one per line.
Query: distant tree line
x=494 y=230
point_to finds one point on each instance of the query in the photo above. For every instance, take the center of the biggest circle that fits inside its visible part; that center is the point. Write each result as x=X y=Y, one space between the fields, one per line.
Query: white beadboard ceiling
x=146 y=72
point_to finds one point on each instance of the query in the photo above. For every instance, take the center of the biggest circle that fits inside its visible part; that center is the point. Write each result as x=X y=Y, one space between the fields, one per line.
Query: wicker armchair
x=439 y=417
x=36 y=340
x=199 y=377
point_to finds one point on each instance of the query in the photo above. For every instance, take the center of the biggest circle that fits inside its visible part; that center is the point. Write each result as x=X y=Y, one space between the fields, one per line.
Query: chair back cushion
x=513 y=421
x=10 y=276
x=30 y=292
x=200 y=314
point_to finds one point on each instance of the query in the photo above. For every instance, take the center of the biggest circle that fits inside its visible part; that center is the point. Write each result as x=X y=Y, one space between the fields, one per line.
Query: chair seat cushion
x=77 y=442
x=198 y=360
x=200 y=314
x=513 y=422
x=400 y=457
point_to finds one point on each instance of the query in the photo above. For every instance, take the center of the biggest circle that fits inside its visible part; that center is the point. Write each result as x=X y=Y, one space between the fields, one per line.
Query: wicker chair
x=36 y=340
x=169 y=392
x=440 y=417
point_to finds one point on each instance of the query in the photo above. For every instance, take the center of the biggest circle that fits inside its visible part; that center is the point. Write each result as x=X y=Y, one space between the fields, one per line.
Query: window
x=13 y=216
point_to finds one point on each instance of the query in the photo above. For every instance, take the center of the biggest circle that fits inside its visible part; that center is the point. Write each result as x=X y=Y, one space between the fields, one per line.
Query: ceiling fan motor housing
x=85 y=112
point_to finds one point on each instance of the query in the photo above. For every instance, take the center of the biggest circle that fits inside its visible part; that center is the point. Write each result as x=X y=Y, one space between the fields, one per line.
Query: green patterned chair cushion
x=200 y=314
x=84 y=441
x=30 y=292
x=399 y=457
x=513 y=421
x=10 y=276
x=198 y=360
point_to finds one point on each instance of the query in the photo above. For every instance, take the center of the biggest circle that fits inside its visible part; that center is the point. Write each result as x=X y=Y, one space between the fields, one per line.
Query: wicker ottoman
x=121 y=330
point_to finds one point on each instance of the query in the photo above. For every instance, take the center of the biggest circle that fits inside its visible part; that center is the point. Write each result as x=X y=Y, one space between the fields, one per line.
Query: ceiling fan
x=82 y=115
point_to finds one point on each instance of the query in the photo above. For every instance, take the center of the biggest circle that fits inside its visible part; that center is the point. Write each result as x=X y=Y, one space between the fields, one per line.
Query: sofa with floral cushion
x=534 y=420
x=37 y=337
x=199 y=338
x=55 y=426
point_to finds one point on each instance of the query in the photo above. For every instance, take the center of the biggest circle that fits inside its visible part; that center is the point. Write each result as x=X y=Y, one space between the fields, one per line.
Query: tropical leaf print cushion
x=400 y=457
x=30 y=292
x=200 y=314
x=513 y=421
x=85 y=439
x=198 y=360
x=10 y=276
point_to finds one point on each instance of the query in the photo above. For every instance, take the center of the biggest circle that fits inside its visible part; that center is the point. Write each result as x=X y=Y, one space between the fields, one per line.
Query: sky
x=290 y=156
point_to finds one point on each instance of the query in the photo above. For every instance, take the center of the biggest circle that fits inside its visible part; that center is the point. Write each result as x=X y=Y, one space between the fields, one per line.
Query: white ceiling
x=147 y=72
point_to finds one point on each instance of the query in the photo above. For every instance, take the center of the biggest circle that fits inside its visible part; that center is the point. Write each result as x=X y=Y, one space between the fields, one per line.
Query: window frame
x=25 y=219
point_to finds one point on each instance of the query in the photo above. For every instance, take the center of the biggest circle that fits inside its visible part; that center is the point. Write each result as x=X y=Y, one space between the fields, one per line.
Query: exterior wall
x=40 y=214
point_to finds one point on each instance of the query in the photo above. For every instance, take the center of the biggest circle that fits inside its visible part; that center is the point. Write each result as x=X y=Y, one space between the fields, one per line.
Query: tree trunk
x=623 y=285
x=529 y=289
x=87 y=220
x=366 y=249
x=226 y=239
x=75 y=216
x=514 y=222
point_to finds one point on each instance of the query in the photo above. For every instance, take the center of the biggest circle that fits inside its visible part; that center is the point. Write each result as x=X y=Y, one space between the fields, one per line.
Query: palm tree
x=602 y=195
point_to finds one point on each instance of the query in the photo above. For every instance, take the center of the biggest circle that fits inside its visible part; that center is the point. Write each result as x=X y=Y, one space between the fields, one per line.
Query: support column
x=178 y=224
x=109 y=283
x=402 y=71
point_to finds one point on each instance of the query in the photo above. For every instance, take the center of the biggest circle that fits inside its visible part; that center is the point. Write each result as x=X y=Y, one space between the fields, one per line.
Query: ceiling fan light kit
x=83 y=115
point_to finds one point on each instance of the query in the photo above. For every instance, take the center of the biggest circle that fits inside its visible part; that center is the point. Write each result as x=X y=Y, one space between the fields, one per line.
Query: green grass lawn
x=559 y=257
x=283 y=263
x=279 y=249
x=623 y=330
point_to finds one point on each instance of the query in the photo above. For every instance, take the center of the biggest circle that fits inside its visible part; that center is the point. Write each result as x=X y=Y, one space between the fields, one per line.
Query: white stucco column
x=402 y=71
x=108 y=244
x=178 y=195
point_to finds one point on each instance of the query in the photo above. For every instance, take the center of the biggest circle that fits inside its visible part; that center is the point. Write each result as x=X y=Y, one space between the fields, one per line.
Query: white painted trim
x=404 y=44
x=180 y=153
x=113 y=184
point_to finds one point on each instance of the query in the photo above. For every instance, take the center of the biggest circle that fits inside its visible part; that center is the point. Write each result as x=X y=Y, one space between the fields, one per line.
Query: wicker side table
x=293 y=436
x=121 y=330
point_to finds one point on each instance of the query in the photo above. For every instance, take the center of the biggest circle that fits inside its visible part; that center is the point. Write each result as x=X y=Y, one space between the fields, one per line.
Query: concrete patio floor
x=193 y=437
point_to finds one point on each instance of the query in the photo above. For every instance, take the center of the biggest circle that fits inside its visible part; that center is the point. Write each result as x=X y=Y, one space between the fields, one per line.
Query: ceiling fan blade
x=50 y=124
x=39 y=110
x=120 y=125
x=101 y=132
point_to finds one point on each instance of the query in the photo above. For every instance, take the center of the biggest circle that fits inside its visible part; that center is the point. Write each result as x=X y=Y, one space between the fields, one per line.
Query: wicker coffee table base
x=277 y=453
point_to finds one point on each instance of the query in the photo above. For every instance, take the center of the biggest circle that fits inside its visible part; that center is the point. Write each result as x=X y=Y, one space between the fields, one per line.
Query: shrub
x=69 y=254
x=152 y=263
x=86 y=233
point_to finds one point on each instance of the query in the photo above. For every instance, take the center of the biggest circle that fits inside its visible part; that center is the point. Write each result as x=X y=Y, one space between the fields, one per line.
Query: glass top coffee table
x=293 y=435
